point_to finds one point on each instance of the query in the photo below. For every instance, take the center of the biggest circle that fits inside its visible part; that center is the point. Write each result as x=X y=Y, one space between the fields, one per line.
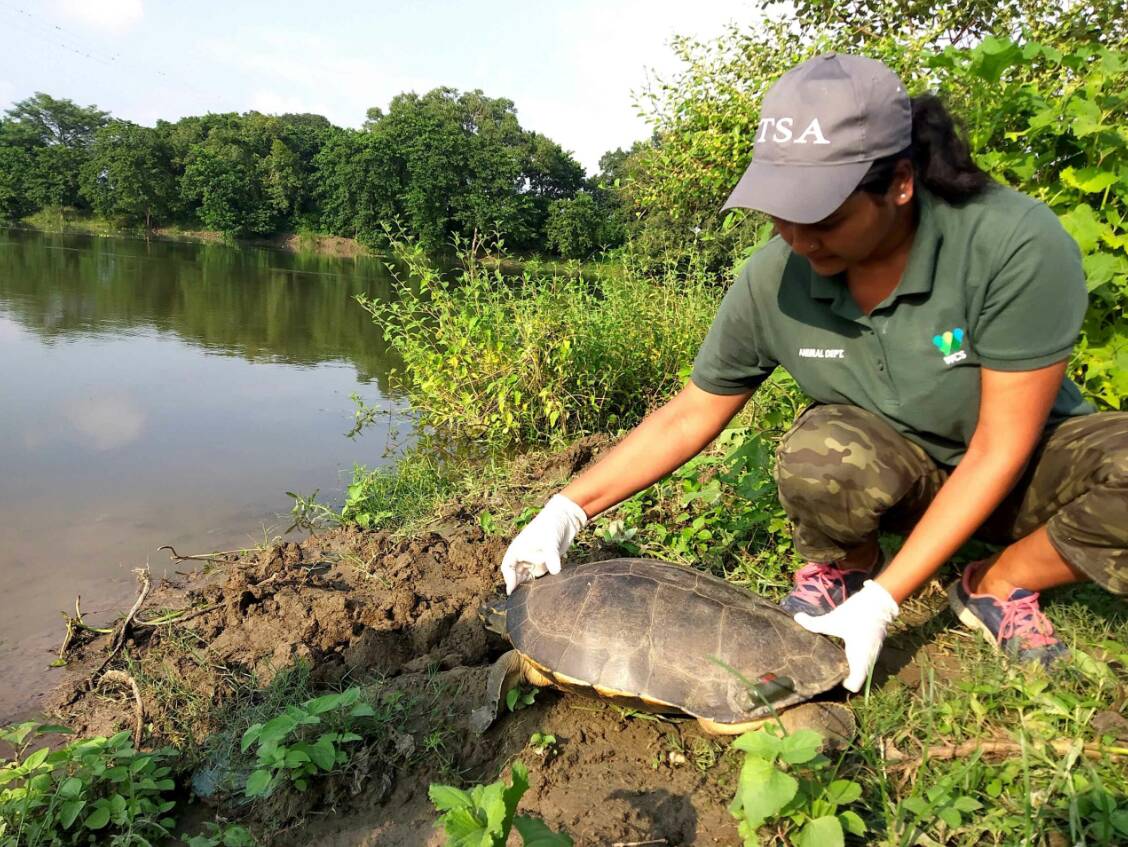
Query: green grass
x=70 y=220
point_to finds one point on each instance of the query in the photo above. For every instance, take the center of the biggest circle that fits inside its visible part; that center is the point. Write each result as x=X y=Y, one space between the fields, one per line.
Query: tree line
x=442 y=165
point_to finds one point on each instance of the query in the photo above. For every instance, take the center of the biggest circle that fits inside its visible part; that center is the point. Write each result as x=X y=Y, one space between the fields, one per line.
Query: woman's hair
x=939 y=153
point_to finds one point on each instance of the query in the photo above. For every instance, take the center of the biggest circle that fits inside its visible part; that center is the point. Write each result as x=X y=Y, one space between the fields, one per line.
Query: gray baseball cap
x=822 y=125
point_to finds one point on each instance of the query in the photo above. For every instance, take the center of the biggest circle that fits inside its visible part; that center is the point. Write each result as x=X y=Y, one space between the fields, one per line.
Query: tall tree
x=128 y=177
x=43 y=120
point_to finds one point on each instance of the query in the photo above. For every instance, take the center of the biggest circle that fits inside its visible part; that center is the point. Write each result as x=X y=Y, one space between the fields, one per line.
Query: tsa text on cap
x=781 y=129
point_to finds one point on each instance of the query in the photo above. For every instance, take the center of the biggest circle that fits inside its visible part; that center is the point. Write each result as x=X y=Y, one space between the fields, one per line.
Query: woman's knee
x=842 y=458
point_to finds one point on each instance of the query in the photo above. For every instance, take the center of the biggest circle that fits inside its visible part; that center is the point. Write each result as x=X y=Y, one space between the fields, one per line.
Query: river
x=165 y=393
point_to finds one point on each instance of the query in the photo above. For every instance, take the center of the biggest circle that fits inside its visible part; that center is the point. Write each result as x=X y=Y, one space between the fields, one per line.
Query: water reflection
x=260 y=304
x=163 y=393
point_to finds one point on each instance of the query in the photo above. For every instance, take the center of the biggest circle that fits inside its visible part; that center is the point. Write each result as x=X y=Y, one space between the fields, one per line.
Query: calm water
x=161 y=393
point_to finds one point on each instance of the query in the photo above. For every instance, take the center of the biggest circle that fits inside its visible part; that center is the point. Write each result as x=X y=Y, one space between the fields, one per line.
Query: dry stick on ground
x=122 y=678
x=76 y=625
x=122 y=630
x=897 y=760
x=199 y=557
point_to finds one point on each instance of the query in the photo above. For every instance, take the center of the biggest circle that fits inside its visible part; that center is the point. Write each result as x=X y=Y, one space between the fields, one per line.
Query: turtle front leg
x=506 y=672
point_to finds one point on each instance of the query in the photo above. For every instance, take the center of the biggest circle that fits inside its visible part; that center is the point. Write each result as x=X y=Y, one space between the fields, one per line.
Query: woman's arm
x=1013 y=407
x=668 y=438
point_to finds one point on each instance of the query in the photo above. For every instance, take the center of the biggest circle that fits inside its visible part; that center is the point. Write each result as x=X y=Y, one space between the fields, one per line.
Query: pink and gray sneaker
x=1016 y=626
x=821 y=586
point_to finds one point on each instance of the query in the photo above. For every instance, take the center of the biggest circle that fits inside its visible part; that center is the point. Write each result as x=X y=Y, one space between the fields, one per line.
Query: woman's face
x=864 y=228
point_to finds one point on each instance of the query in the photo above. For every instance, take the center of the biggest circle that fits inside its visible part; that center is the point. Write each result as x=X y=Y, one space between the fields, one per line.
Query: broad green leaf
x=98 y=818
x=362 y=710
x=16 y=734
x=35 y=759
x=277 y=728
x=324 y=704
x=1119 y=820
x=950 y=816
x=53 y=729
x=258 y=783
x=1086 y=117
x=842 y=792
x=852 y=823
x=1101 y=267
x=535 y=833
x=250 y=736
x=69 y=811
x=967 y=804
x=139 y=764
x=763 y=790
x=296 y=757
x=446 y=797
x=323 y=753
x=801 y=746
x=465 y=830
x=821 y=832
x=71 y=787
x=1084 y=226
x=759 y=742
x=917 y=805
x=993 y=56
x=1092 y=180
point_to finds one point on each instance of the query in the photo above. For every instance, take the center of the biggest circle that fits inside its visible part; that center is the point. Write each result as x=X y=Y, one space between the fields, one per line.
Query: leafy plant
x=538 y=358
x=285 y=748
x=1049 y=122
x=520 y=697
x=787 y=778
x=945 y=801
x=483 y=815
x=221 y=835
x=542 y=743
x=95 y=790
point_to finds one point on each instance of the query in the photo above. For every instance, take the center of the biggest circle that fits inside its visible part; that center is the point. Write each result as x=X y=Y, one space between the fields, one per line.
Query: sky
x=569 y=67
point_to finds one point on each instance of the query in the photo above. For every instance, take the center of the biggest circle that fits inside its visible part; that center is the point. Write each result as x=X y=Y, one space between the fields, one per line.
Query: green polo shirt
x=994 y=283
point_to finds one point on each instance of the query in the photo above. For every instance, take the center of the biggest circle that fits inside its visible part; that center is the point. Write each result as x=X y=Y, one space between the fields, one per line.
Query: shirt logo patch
x=821 y=353
x=950 y=344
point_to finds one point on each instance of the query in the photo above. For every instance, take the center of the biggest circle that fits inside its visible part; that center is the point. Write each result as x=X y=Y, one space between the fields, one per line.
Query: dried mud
x=356 y=604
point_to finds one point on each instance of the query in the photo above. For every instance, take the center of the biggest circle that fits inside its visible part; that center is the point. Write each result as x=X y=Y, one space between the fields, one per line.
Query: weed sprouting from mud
x=485 y=814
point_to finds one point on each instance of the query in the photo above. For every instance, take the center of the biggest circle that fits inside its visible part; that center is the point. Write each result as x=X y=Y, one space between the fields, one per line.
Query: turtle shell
x=663 y=634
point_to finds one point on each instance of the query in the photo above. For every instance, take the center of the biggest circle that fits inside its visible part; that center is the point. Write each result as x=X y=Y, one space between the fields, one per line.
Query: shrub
x=543 y=357
x=99 y=790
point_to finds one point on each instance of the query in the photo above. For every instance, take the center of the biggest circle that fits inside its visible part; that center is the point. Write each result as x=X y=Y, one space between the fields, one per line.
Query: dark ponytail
x=940 y=154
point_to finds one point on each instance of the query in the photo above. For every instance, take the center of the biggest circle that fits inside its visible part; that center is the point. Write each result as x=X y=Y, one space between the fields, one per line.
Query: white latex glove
x=538 y=547
x=861 y=622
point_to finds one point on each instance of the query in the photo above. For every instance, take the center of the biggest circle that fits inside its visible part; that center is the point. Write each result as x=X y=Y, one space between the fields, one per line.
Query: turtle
x=665 y=638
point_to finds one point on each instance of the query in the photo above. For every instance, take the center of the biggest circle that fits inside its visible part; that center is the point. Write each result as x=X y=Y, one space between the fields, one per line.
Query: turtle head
x=493 y=613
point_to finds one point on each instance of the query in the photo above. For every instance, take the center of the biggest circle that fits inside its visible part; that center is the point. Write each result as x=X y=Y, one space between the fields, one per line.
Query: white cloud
x=273 y=103
x=315 y=77
x=115 y=16
x=106 y=422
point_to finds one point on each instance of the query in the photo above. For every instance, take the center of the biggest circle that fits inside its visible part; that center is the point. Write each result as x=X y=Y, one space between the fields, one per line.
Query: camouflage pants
x=844 y=473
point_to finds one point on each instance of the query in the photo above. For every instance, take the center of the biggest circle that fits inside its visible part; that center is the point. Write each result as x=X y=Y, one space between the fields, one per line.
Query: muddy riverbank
x=400 y=617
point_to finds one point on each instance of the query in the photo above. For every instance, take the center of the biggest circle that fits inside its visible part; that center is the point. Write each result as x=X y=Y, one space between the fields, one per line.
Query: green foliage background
x=1043 y=107
x=444 y=163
